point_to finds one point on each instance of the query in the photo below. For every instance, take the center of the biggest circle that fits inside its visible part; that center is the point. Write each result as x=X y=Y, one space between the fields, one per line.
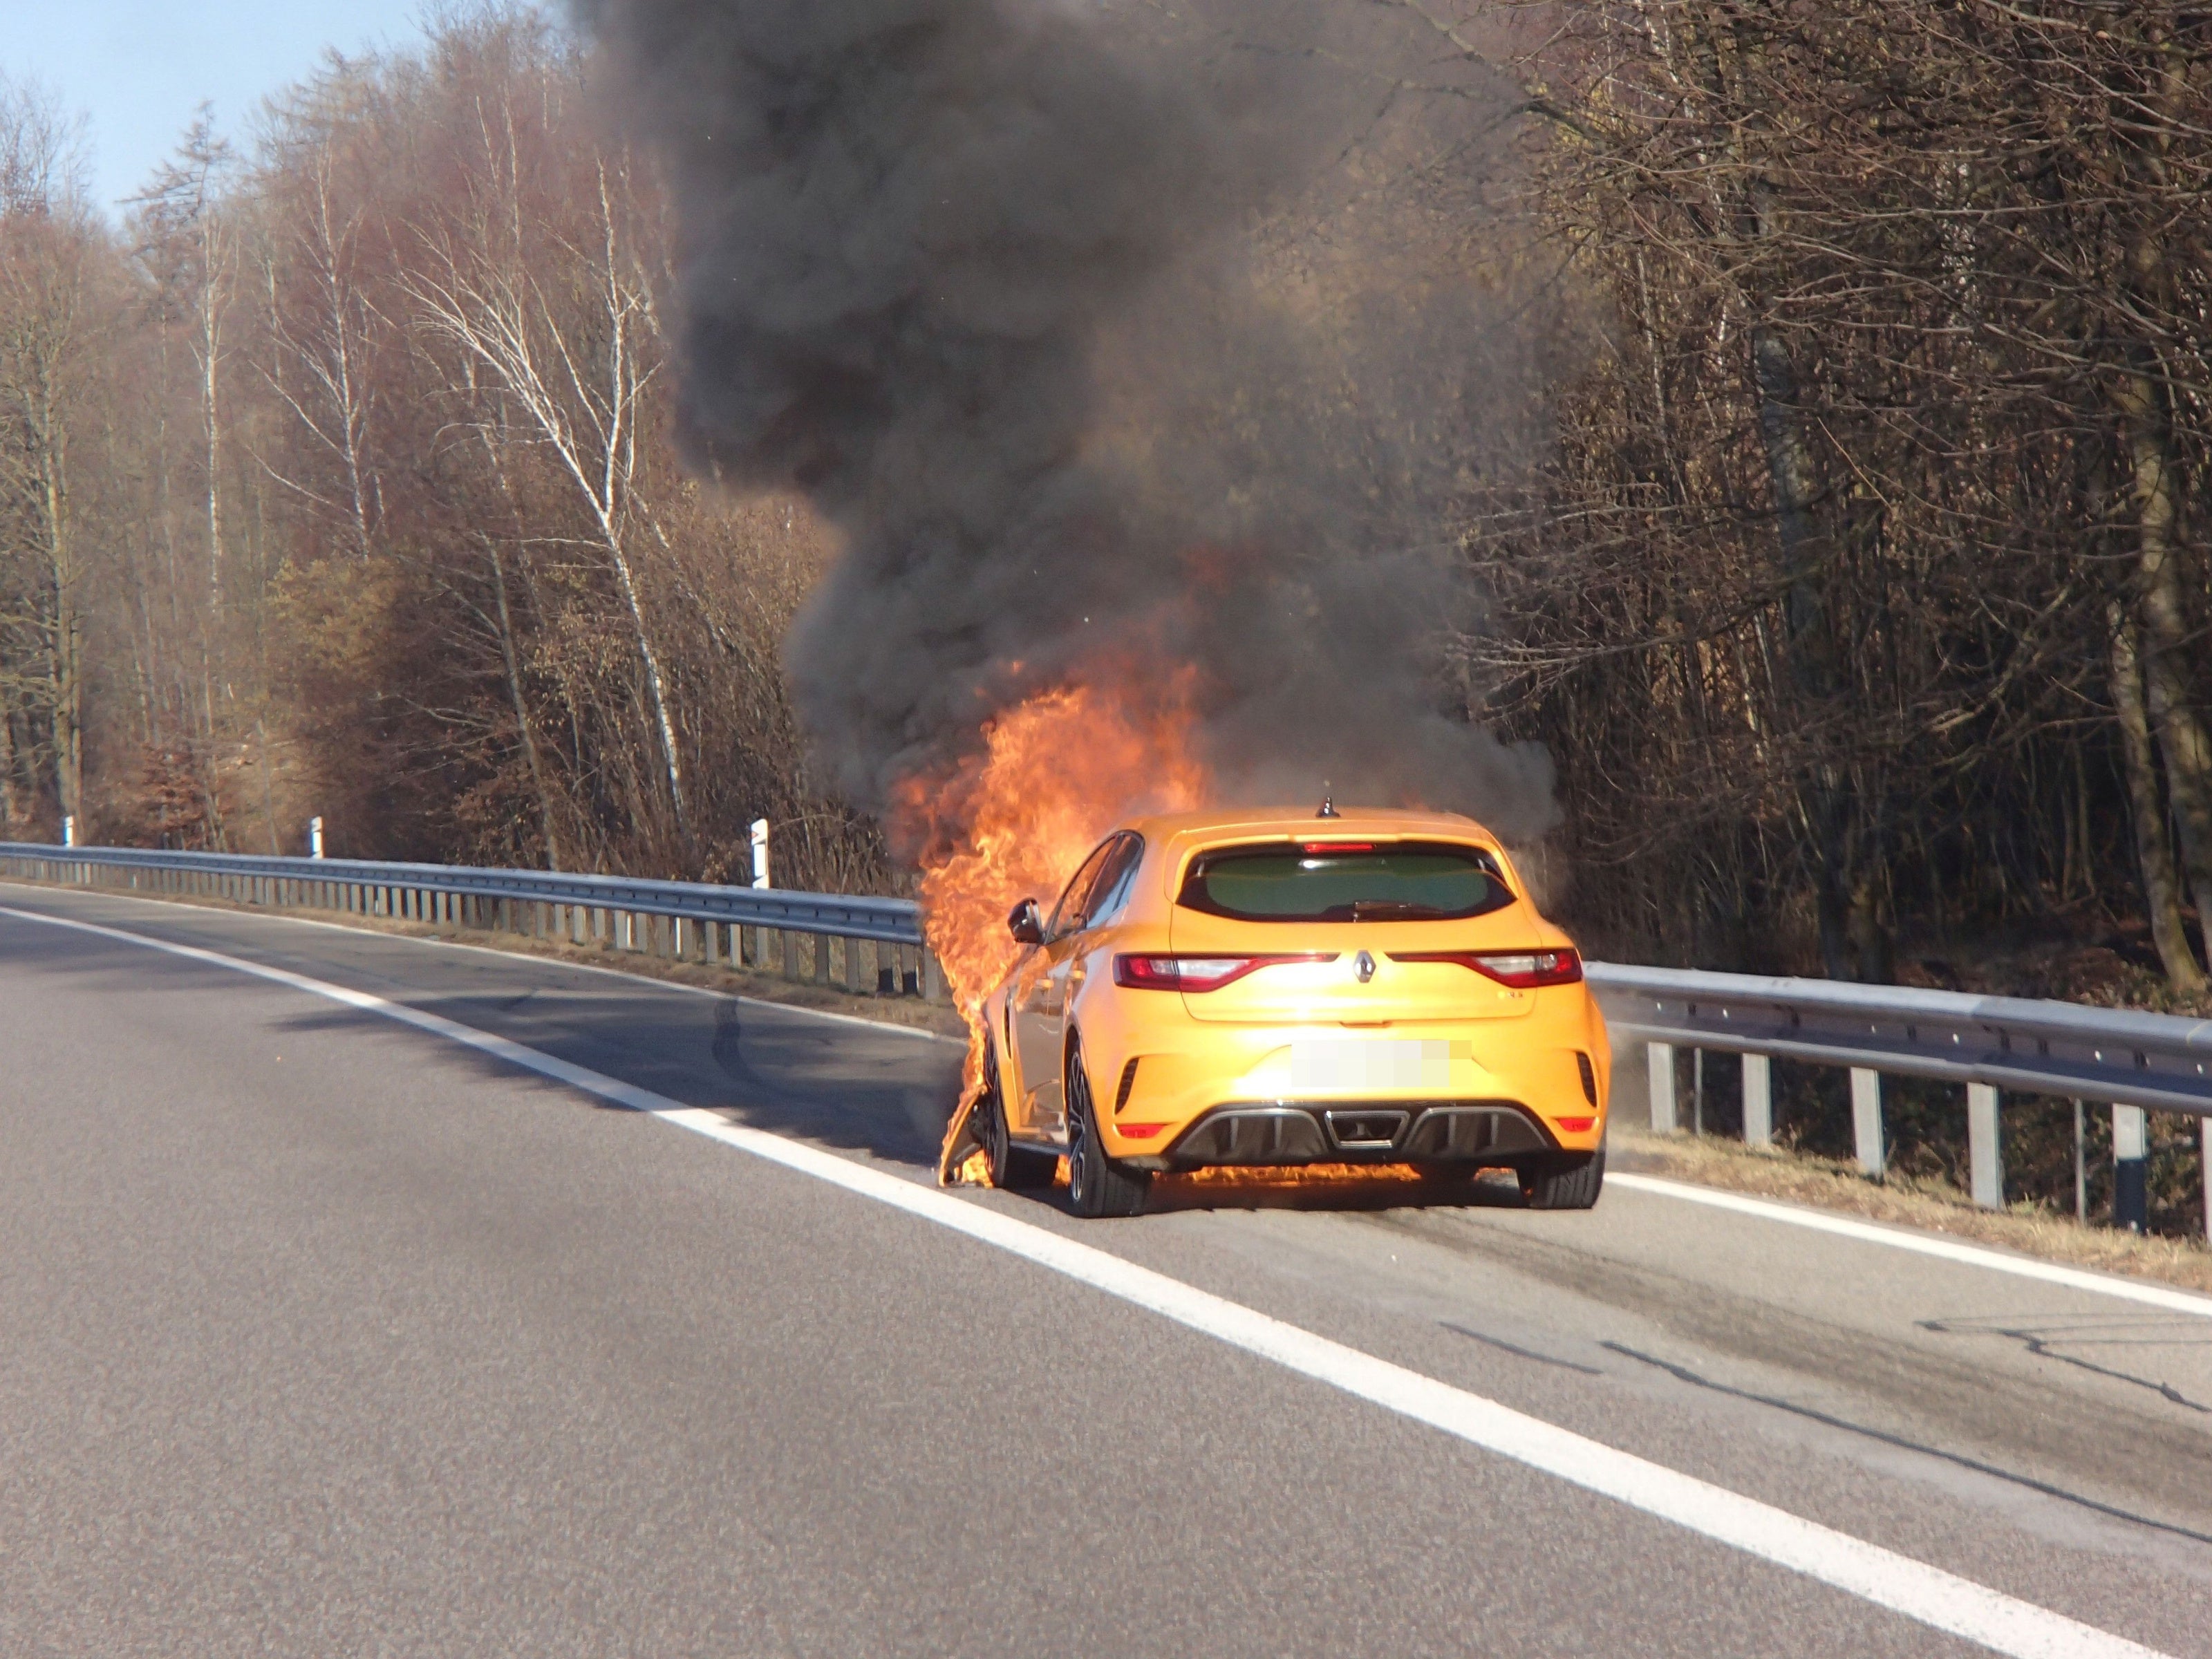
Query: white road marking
x=1820 y=1221
x=1940 y=1600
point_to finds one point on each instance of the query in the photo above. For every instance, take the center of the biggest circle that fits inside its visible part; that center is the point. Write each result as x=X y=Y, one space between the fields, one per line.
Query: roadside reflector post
x=1985 y=1145
x=1866 y=1120
x=760 y=852
x=1758 y=1101
x=2130 y=1188
x=2081 y=1164
x=69 y=830
x=1660 y=1056
x=314 y=838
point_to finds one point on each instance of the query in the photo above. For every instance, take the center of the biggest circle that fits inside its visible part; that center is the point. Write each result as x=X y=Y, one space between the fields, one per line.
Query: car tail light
x=1138 y=1131
x=1524 y=970
x=1574 y=1126
x=1197 y=973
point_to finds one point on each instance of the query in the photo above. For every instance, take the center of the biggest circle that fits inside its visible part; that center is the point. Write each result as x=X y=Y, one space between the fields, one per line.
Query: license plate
x=1332 y=1064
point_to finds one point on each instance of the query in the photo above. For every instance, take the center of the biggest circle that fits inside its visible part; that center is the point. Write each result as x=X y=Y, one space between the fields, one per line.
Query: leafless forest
x=1858 y=588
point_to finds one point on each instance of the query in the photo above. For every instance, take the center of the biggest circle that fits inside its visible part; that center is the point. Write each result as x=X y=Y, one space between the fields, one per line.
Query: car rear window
x=1396 y=881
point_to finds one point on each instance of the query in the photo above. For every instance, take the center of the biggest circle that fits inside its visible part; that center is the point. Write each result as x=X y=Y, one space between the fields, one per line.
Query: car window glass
x=1347 y=881
x=1116 y=880
x=1065 y=914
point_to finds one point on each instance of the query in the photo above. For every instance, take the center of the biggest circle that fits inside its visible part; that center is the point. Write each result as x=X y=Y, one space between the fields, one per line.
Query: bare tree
x=49 y=248
x=577 y=380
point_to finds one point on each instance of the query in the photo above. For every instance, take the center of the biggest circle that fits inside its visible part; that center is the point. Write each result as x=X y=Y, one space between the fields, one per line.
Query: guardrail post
x=1660 y=1058
x=1758 y=1101
x=1866 y=1120
x=2130 y=1187
x=2204 y=1168
x=933 y=976
x=1984 y=1150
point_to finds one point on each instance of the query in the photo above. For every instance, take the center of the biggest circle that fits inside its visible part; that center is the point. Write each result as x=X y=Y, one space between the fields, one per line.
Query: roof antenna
x=1327 y=803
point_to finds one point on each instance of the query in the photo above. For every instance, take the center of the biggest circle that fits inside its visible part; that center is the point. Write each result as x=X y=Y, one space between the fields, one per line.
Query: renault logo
x=1364 y=965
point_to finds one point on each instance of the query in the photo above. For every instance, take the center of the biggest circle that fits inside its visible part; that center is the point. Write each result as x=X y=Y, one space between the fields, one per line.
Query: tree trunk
x=2154 y=854
x=664 y=728
x=522 y=710
x=67 y=655
x=2182 y=742
x=10 y=803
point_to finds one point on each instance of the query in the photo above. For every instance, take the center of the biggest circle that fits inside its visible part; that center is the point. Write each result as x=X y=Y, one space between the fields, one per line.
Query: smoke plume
x=1101 y=338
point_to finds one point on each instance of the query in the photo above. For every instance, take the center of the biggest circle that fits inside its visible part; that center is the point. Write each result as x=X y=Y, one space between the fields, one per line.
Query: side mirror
x=1024 y=924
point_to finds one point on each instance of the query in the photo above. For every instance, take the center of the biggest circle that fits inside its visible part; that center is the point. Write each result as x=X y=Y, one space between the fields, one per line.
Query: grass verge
x=1930 y=1206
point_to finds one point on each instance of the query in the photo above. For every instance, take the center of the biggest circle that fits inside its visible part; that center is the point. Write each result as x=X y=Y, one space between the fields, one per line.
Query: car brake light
x=1574 y=1125
x=1136 y=973
x=1338 y=847
x=1524 y=970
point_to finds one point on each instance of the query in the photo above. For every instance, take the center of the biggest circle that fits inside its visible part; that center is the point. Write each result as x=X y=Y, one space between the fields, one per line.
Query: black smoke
x=1094 y=335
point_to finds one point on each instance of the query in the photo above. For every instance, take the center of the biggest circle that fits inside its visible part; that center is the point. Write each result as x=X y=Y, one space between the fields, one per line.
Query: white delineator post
x=314 y=838
x=69 y=830
x=1758 y=1100
x=760 y=852
x=1660 y=1056
x=1866 y=1120
x=1985 y=1147
x=2130 y=1148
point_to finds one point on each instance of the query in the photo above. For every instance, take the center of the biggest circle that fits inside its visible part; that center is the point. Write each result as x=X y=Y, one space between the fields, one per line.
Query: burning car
x=1267 y=988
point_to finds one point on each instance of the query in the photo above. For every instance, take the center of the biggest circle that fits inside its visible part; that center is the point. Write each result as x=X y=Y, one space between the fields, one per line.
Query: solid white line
x=527 y=956
x=2127 y=1289
x=1940 y=1600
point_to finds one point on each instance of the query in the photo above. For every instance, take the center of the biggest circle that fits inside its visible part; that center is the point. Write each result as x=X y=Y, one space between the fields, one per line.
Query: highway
x=433 y=1301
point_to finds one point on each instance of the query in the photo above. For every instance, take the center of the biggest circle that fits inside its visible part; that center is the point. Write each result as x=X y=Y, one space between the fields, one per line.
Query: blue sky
x=136 y=69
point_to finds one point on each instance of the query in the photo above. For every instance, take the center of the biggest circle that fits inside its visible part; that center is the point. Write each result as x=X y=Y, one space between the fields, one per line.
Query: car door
x=1039 y=1001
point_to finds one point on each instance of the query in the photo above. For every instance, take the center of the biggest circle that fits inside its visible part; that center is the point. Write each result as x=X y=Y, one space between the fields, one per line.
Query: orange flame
x=1056 y=773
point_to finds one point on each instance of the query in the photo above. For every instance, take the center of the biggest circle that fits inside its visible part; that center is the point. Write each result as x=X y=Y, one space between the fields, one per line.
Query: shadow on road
x=882 y=1090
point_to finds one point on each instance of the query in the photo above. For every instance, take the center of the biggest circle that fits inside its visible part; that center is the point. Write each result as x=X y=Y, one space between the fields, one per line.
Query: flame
x=1055 y=774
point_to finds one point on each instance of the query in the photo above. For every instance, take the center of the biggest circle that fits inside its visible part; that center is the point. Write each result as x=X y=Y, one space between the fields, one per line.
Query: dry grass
x=1933 y=1206
x=730 y=981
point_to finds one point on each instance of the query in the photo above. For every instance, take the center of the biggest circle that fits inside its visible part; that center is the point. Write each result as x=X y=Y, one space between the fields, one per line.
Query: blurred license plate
x=1333 y=1063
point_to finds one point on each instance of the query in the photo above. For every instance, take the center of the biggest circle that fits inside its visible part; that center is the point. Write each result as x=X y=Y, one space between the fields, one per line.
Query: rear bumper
x=1273 y=1132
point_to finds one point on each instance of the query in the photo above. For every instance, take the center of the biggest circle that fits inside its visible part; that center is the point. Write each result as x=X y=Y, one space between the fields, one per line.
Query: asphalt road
x=320 y=1334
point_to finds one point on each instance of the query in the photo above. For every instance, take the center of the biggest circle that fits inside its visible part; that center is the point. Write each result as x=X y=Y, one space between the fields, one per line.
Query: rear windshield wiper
x=1392 y=910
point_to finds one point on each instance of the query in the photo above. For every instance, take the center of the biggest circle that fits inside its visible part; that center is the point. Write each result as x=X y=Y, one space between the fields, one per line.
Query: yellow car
x=1271 y=987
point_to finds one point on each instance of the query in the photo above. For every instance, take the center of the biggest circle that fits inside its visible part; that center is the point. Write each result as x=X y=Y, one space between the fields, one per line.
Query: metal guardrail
x=2059 y=1048
x=2133 y=1062
x=789 y=932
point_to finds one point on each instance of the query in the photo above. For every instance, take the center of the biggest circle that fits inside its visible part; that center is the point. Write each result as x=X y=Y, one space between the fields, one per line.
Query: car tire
x=1017 y=1168
x=1563 y=1181
x=1096 y=1185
